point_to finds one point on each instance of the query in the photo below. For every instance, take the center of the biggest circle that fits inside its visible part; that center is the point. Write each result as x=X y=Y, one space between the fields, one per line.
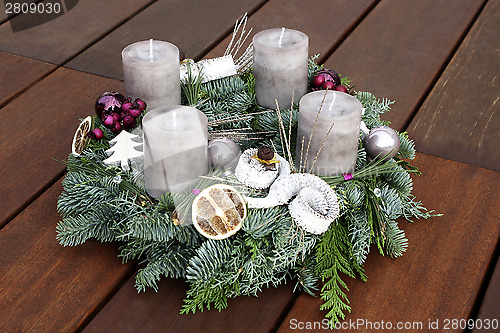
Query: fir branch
x=414 y=208
x=305 y=274
x=407 y=147
x=208 y=260
x=391 y=202
x=359 y=233
x=396 y=242
x=261 y=222
x=399 y=179
x=75 y=230
x=170 y=261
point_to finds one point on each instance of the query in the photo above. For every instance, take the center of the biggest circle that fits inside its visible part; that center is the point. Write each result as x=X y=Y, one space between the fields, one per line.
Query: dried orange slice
x=218 y=211
x=80 y=138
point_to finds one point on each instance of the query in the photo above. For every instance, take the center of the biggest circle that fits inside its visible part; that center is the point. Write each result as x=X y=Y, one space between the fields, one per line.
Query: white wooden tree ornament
x=123 y=149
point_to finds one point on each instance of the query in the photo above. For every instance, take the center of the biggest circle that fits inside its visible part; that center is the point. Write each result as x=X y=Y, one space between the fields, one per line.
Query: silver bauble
x=223 y=153
x=382 y=142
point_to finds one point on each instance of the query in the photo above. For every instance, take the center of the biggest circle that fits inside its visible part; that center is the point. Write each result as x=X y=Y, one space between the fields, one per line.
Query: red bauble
x=341 y=89
x=328 y=85
x=317 y=81
x=109 y=121
x=117 y=128
x=141 y=103
x=126 y=106
x=116 y=116
x=128 y=121
x=96 y=134
x=330 y=75
x=135 y=113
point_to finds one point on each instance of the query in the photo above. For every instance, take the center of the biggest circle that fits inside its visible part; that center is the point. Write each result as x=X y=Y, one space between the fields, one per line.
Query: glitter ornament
x=108 y=103
x=325 y=79
x=382 y=142
x=223 y=153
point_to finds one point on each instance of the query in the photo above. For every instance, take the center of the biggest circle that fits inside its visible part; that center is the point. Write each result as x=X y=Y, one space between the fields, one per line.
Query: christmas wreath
x=105 y=198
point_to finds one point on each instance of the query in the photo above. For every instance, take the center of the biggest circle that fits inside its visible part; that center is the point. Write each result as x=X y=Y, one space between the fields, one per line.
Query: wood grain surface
x=460 y=120
x=193 y=26
x=19 y=73
x=64 y=37
x=50 y=111
x=326 y=22
x=45 y=287
x=441 y=273
x=399 y=49
x=489 y=308
x=159 y=312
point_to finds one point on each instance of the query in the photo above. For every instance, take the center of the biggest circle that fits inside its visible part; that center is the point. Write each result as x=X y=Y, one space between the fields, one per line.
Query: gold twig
x=320 y=147
x=314 y=127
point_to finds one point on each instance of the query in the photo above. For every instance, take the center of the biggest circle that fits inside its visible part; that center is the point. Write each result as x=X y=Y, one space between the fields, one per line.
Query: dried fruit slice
x=80 y=138
x=218 y=211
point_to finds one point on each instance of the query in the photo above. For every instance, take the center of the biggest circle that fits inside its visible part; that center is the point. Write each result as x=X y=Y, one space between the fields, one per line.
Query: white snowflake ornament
x=123 y=149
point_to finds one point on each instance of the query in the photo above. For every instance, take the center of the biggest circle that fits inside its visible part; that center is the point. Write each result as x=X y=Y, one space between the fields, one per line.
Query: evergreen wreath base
x=110 y=204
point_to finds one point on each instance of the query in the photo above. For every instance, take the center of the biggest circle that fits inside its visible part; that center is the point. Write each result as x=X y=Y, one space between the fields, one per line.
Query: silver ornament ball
x=223 y=153
x=382 y=142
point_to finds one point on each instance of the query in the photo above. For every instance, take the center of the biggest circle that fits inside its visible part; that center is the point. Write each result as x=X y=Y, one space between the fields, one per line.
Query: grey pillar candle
x=280 y=58
x=175 y=148
x=151 y=72
x=339 y=150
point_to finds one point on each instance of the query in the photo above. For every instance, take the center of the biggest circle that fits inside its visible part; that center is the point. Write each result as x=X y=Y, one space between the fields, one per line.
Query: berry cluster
x=327 y=79
x=117 y=112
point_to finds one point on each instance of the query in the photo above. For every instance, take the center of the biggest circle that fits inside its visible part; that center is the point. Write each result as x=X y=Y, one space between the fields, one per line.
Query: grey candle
x=339 y=150
x=280 y=59
x=151 y=72
x=175 y=148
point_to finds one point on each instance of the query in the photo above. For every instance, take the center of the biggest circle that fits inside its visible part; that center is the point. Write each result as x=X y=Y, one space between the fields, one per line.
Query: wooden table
x=439 y=60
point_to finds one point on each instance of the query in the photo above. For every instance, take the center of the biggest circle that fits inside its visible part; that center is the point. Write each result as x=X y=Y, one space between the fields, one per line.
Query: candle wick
x=151 y=49
x=332 y=102
x=280 y=41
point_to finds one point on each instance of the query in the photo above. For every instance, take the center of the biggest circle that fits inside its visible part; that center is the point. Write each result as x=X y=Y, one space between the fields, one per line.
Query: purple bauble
x=223 y=153
x=330 y=76
x=109 y=121
x=108 y=103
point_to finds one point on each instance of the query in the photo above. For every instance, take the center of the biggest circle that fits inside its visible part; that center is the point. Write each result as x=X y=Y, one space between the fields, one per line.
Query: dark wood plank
x=490 y=309
x=441 y=273
x=39 y=126
x=399 y=48
x=321 y=22
x=45 y=287
x=3 y=15
x=194 y=26
x=159 y=312
x=18 y=73
x=460 y=119
x=64 y=37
